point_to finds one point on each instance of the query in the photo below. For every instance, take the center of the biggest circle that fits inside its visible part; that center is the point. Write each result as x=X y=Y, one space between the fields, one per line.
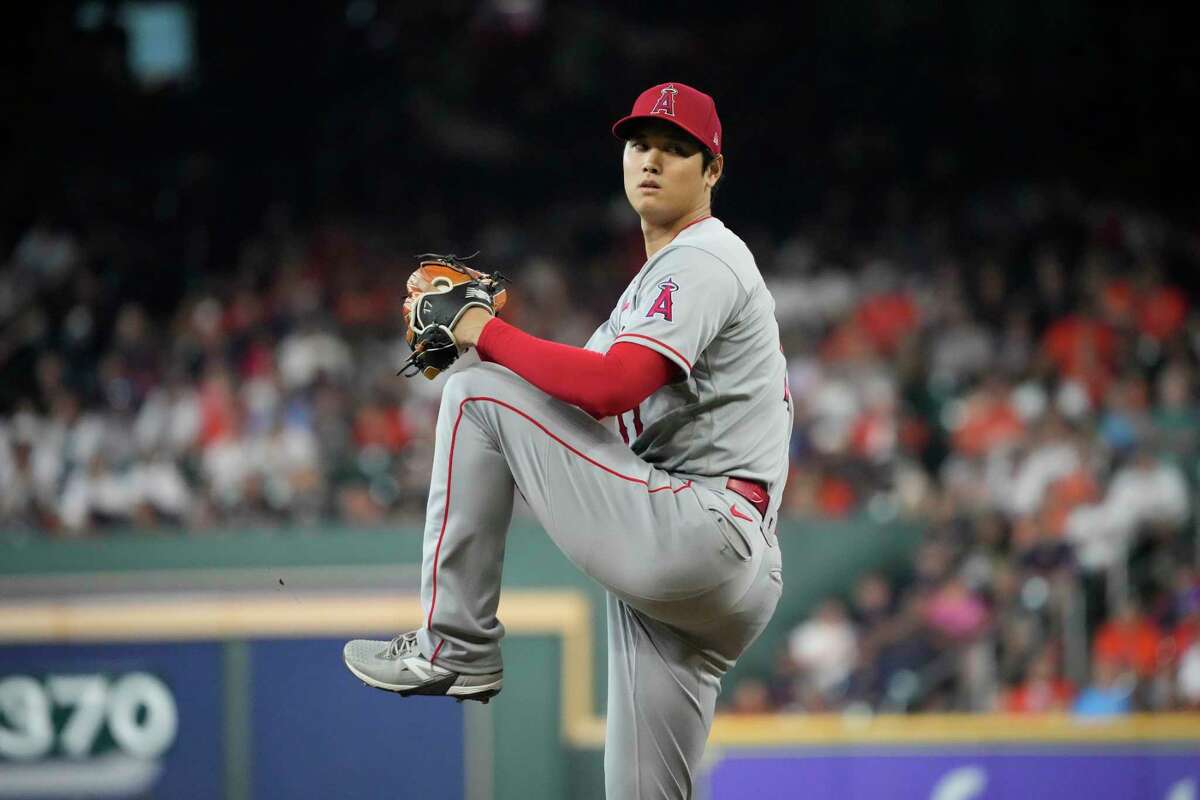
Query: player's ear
x=716 y=168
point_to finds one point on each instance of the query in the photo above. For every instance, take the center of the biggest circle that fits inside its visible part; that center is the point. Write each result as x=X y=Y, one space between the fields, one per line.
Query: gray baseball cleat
x=398 y=666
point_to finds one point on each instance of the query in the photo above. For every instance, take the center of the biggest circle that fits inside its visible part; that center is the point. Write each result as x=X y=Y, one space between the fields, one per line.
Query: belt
x=754 y=492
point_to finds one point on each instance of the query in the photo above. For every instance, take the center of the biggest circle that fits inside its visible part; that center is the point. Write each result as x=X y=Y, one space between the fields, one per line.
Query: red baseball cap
x=680 y=104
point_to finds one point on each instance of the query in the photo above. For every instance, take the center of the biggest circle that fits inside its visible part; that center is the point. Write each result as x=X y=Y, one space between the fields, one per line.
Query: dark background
x=457 y=111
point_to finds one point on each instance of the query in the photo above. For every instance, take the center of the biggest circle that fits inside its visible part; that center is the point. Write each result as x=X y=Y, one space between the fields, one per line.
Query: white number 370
x=138 y=708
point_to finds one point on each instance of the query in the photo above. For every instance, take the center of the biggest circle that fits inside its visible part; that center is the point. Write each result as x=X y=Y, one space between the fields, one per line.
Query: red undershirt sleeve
x=602 y=384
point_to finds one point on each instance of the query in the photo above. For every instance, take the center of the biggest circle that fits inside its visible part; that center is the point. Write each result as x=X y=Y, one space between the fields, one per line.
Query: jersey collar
x=675 y=238
x=690 y=224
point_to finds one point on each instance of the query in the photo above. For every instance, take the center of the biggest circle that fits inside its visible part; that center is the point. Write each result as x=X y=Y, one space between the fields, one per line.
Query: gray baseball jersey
x=638 y=503
x=701 y=302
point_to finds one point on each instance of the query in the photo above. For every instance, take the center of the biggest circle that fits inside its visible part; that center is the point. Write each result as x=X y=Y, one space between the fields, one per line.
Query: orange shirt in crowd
x=367 y=306
x=1075 y=343
x=1037 y=696
x=218 y=410
x=383 y=427
x=1119 y=300
x=1084 y=349
x=1134 y=644
x=835 y=497
x=1161 y=312
x=988 y=423
x=1185 y=634
x=887 y=319
x=1064 y=495
x=847 y=342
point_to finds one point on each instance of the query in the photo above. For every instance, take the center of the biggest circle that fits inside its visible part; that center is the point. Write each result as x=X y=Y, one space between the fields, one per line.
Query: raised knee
x=482 y=379
x=455 y=387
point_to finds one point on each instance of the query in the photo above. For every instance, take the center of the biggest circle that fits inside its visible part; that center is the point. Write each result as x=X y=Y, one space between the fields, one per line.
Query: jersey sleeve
x=602 y=384
x=683 y=302
x=601 y=338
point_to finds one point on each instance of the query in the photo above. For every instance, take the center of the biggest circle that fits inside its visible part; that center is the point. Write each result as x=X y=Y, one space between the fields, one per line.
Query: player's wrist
x=470 y=327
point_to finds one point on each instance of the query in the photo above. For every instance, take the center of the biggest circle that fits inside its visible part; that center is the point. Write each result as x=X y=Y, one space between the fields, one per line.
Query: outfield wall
x=243 y=632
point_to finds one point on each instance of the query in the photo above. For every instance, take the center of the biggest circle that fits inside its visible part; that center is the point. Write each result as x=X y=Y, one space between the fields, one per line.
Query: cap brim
x=622 y=128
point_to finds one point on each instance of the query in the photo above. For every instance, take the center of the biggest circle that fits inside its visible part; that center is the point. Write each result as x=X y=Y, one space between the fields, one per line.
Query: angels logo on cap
x=681 y=105
x=666 y=101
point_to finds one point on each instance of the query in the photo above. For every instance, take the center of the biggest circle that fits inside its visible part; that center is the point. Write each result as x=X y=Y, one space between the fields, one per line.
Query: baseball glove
x=440 y=291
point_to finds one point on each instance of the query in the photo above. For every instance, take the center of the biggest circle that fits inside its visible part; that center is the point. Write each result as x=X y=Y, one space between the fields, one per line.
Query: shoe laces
x=402 y=645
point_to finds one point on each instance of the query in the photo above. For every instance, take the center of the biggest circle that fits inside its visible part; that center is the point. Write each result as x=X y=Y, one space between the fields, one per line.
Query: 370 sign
x=77 y=715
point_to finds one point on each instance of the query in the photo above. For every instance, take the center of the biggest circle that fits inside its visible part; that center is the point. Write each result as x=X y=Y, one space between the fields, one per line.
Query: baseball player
x=654 y=457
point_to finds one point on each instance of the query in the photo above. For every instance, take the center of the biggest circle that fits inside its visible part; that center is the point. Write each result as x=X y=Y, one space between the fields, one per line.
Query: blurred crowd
x=1018 y=376
x=946 y=641
x=264 y=395
x=1035 y=408
x=267 y=398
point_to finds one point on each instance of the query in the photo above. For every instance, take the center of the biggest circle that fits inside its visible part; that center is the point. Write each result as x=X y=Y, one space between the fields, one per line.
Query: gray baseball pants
x=689 y=584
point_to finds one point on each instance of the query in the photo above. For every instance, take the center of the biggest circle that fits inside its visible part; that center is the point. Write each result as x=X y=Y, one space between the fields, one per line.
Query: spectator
x=961 y=349
x=1052 y=457
x=1161 y=309
x=1109 y=694
x=1083 y=348
x=312 y=352
x=824 y=648
x=1043 y=689
x=955 y=612
x=872 y=601
x=1125 y=421
x=1148 y=493
x=1176 y=418
x=1129 y=641
x=750 y=696
x=162 y=493
x=1188 y=677
x=19 y=501
x=990 y=421
x=98 y=496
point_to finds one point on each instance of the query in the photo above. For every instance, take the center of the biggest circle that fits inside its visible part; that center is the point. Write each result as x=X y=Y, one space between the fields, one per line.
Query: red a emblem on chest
x=662 y=303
